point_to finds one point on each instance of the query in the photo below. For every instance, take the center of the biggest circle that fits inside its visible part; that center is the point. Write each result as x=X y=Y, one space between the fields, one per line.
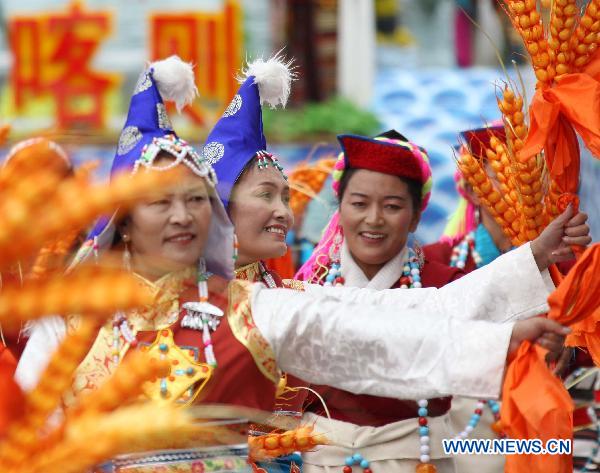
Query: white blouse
x=414 y=344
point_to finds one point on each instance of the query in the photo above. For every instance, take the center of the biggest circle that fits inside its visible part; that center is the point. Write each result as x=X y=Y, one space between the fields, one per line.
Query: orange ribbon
x=577 y=98
x=576 y=303
x=535 y=403
x=573 y=103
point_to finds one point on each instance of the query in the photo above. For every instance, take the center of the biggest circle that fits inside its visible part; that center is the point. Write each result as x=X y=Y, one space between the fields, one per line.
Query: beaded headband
x=264 y=158
x=181 y=151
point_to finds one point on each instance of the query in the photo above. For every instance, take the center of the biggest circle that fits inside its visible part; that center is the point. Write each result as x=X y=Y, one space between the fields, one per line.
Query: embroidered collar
x=251 y=272
x=164 y=311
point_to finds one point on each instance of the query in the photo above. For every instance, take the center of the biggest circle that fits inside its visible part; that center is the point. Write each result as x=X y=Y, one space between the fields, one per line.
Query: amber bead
x=426 y=468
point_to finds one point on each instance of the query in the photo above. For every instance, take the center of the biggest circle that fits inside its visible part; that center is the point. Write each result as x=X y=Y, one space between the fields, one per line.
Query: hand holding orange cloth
x=535 y=404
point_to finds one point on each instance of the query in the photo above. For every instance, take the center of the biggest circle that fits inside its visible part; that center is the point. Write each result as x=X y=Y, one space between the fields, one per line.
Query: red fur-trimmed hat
x=387 y=157
x=388 y=153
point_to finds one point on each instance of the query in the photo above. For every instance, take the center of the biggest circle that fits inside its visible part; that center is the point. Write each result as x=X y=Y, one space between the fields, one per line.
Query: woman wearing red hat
x=383 y=185
x=471 y=240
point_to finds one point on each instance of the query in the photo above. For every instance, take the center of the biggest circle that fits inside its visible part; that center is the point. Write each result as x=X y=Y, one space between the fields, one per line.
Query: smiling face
x=169 y=231
x=260 y=212
x=377 y=213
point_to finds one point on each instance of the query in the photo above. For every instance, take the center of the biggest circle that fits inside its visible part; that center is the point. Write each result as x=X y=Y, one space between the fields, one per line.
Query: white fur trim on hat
x=175 y=81
x=273 y=77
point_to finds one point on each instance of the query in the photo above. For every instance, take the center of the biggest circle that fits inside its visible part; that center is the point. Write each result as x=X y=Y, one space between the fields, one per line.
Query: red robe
x=289 y=402
x=246 y=374
x=363 y=409
x=442 y=252
x=237 y=380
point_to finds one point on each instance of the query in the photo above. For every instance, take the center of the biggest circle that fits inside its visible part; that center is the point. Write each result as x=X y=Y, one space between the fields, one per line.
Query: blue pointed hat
x=238 y=135
x=169 y=79
x=148 y=132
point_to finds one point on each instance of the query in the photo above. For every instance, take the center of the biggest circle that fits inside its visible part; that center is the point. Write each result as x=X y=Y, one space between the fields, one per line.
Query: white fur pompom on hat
x=273 y=78
x=175 y=81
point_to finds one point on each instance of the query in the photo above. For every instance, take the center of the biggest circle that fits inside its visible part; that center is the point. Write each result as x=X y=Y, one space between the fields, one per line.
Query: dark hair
x=415 y=188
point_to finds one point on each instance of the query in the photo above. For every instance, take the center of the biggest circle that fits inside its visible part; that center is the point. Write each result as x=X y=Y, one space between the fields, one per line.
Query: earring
x=126 y=253
x=418 y=250
x=236 y=248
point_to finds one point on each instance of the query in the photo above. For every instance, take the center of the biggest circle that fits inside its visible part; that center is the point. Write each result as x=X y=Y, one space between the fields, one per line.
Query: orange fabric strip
x=535 y=404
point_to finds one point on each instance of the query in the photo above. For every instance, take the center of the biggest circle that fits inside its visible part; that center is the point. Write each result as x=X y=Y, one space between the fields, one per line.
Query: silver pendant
x=200 y=313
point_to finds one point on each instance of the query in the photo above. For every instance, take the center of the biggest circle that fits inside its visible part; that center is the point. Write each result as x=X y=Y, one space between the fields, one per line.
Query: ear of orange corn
x=95 y=290
x=306 y=181
x=37 y=210
x=527 y=21
x=567 y=43
x=584 y=42
x=475 y=174
x=274 y=445
x=22 y=436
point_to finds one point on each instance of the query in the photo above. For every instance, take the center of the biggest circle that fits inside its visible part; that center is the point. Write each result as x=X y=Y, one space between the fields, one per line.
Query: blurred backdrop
x=428 y=68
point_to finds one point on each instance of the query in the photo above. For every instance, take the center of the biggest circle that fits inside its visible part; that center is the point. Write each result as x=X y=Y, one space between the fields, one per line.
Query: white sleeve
x=509 y=288
x=44 y=337
x=364 y=348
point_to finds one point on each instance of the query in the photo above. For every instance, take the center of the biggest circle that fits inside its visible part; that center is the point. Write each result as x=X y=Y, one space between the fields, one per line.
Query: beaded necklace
x=411 y=278
x=460 y=253
x=266 y=276
x=476 y=417
x=202 y=316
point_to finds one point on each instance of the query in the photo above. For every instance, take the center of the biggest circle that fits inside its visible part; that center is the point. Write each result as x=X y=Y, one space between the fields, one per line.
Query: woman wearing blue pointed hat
x=230 y=339
x=255 y=191
x=252 y=185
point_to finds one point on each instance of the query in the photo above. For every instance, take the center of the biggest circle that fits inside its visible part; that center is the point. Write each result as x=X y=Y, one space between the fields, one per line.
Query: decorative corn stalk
x=527 y=21
x=585 y=40
x=563 y=20
x=474 y=172
x=306 y=181
x=112 y=289
x=275 y=445
x=72 y=205
x=38 y=210
x=124 y=387
x=564 y=60
x=22 y=436
x=514 y=192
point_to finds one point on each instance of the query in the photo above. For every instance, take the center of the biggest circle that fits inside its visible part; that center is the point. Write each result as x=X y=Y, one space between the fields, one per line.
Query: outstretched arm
x=379 y=350
x=510 y=288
